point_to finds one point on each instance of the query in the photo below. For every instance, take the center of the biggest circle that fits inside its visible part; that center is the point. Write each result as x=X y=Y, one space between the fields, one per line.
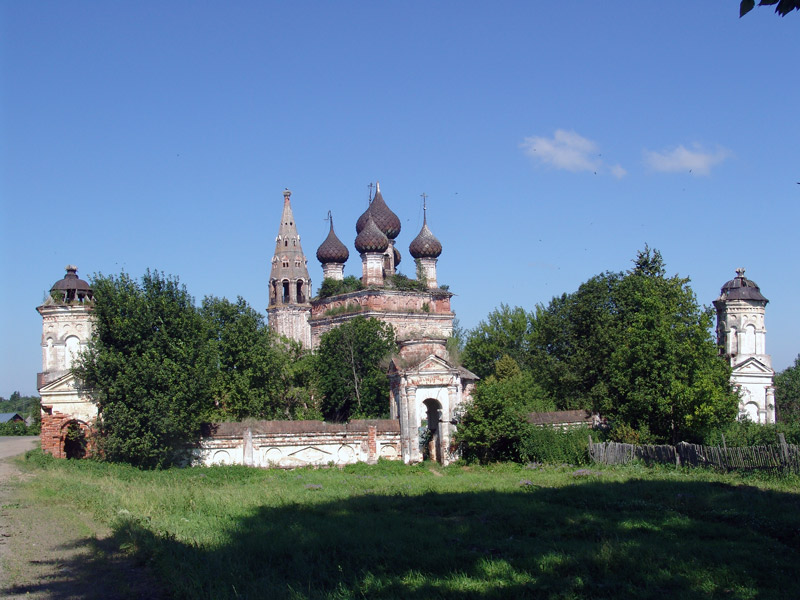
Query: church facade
x=427 y=388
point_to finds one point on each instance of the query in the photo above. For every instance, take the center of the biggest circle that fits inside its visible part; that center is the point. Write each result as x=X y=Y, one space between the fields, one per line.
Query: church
x=428 y=389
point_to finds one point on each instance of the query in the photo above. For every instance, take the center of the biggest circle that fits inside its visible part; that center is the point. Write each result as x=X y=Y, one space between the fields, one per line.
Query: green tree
x=148 y=368
x=665 y=373
x=637 y=347
x=253 y=372
x=782 y=7
x=495 y=423
x=787 y=393
x=572 y=342
x=506 y=331
x=351 y=369
x=25 y=406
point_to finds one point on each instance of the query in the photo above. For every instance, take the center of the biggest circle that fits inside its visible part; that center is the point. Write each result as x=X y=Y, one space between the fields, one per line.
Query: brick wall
x=54 y=431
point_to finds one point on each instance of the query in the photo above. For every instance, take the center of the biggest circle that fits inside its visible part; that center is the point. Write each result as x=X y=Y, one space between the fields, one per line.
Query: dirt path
x=53 y=552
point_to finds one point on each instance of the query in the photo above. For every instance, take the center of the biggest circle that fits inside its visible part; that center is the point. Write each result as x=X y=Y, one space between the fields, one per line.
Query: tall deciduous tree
x=665 y=374
x=351 y=369
x=787 y=393
x=147 y=367
x=254 y=366
x=505 y=332
x=633 y=345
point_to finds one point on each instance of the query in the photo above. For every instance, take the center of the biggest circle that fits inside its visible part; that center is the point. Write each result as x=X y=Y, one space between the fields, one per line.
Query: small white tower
x=66 y=331
x=741 y=336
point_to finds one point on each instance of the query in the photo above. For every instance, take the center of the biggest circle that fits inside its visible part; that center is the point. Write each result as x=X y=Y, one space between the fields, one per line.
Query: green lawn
x=394 y=531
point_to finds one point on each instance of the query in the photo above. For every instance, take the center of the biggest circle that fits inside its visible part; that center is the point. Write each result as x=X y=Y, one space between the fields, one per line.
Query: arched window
x=749 y=341
x=73 y=348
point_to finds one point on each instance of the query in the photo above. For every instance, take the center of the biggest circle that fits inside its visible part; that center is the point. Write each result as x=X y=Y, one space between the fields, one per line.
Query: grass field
x=394 y=531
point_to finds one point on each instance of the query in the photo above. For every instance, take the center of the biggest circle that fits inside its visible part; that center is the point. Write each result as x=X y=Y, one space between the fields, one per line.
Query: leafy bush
x=334 y=287
x=555 y=445
x=17 y=428
x=495 y=422
x=747 y=433
x=399 y=281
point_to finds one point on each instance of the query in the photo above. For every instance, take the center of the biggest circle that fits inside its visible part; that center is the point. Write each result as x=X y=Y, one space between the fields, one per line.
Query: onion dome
x=385 y=219
x=740 y=288
x=425 y=245
x=332 y=250
x=397 y=256
x=371 y=239
x=72 y=287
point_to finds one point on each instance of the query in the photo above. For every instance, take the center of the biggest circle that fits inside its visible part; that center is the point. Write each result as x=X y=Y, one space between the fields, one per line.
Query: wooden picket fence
x=781 y=457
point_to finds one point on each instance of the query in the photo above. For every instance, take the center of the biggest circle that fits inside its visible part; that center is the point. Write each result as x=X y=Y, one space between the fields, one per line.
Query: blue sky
x=553 y=140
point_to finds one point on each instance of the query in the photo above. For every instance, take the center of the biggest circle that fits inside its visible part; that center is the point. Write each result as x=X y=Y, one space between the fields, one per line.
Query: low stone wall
x=289 y=444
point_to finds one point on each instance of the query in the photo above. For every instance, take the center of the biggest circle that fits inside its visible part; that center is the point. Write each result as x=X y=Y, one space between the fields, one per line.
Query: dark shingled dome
x=72 y=287
x=740 y=288
x=332 y=250
x=371 y=239
x=425 y=245
x=384 y=218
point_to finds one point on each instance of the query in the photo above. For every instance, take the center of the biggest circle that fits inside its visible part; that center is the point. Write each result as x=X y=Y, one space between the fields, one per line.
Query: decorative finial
x=330 y=218
x=377 y=187
x=287 y=192
x=424 y=197
x=740 y=272
x=370 y=186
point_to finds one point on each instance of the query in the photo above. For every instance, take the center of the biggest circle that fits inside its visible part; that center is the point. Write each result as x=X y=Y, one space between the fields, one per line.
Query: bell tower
x=67 y=414
x=741 y=336
x=289 y=284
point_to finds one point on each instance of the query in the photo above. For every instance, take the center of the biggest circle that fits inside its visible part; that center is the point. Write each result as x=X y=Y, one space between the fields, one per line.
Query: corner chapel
x=427 y=387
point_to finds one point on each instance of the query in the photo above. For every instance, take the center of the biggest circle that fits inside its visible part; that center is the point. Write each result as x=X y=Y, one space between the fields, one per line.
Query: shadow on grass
x=95 y=570
x=637 y=539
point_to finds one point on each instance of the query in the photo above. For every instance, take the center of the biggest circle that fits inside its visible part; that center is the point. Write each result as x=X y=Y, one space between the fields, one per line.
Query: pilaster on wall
x=372 y=268
x=333 y=271
x=429 y=269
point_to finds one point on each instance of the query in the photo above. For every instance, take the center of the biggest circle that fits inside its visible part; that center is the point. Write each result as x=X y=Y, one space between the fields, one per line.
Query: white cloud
x=565 y=150
x=570 y=151
x=681 y=159
x=618 y=172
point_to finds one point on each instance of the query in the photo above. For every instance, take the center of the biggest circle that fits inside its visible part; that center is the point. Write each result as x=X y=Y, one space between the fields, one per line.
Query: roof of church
x=425 y=245
x=288 y=248
x=384 y=218
x=332 y=250
x=741 y=288
x=72 y=285
x=371 y=238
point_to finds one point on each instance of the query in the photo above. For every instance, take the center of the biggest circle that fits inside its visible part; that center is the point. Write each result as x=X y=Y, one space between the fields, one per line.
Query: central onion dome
x=740 y=288
x=370 y=238
x=425 y=245
x=384 y=218
x=332 y=250
x=72 y=287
